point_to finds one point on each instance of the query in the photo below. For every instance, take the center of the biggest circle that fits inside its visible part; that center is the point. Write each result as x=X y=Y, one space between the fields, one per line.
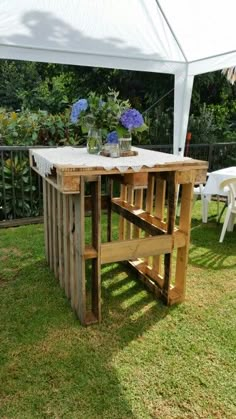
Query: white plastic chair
x=199 y=191
x=231 y=210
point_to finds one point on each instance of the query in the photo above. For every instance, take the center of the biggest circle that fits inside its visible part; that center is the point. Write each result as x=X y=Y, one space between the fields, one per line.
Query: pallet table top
x=58 y=163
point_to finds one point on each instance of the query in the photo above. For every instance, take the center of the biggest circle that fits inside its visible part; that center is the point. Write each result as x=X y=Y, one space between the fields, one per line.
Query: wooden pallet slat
x=50 y=225
x=60 y=238
x=80 y=280
x=45 y=220
x=72 y=251
x=66 y=245
x=171 y=213
x=55 y=233
x=96 y=242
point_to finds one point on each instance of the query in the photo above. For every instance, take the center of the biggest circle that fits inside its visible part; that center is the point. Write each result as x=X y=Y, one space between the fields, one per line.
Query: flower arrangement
x=113 y=116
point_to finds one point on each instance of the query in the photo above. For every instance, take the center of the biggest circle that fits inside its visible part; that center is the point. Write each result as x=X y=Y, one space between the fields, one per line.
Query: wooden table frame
x=149 y=235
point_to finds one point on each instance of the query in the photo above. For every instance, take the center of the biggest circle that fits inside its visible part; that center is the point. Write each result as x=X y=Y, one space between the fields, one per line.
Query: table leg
x=84 y=253
x=60 y=237
x=96 y=243
x=159 y=208
x=109 y=212
x=72 y=267
x=79 y=243
x=45 y=218
x=66 y=244
x=50 y=224
x=55 y=232
x=178 y=293
x=171 y=213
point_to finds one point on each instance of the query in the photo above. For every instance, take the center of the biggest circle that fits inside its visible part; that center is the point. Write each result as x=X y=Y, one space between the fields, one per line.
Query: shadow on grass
x=51 y=363
x=206 y=251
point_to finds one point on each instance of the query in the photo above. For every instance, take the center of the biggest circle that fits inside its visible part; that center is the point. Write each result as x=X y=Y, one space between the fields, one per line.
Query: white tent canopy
x=184 y=38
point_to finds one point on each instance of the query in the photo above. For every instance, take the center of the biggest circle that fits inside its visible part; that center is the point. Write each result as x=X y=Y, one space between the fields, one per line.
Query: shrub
x=213 y=124
x=38 y=128
x=19 y=194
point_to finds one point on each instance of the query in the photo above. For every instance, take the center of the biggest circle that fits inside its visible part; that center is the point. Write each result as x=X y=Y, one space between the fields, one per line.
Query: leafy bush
x=50 y=94
x=19 y=195
x=161 y=128
x=38 y=128
x=213 y=124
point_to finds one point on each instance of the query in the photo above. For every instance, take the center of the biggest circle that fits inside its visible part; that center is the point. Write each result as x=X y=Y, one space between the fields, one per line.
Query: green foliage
x=214 y=123
x=38 y=128
x=50 y=95
x=161 y=128
x=15 y=78
x=203 y=127
x=18 y=190
x=103 y=112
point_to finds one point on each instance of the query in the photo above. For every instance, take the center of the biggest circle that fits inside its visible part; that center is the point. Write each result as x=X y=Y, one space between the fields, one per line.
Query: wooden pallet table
x=153 y=241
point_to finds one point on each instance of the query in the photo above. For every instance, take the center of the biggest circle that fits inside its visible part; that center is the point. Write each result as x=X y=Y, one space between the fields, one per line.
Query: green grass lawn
x=143 y=361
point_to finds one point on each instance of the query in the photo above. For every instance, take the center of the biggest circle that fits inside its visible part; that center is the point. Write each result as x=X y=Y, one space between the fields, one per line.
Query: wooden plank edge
x=17 y=222
x=121 y=250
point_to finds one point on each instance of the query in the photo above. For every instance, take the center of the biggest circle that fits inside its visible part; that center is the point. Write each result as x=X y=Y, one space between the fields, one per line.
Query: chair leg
x=227 y=217
x=221 y=212
x=204 y=209
x=230 y=226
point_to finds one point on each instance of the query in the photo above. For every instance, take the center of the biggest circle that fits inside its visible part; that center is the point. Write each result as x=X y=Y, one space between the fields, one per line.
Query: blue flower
x=77 y=108
x=131 y=119
x=112 y=137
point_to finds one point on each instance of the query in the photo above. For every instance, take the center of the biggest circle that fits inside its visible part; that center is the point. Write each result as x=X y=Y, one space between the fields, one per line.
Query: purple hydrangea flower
x=112 y=137
x=131 y=119
x=80 y=105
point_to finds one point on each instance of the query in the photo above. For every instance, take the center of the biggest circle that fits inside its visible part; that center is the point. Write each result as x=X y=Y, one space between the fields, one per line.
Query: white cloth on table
x=46 y=159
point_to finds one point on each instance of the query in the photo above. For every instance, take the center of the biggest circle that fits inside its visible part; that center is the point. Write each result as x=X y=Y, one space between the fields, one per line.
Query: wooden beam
x=73 y=285
x=122 y=221
x=144 y=278
x=45 y=219
x=138 y=217
x=135 y=248
x=96 y=243
x=50 y=224
x=80 y=280
x=66 y=244
x=182 y=254
x=60 y=238
x=159 y=209
x=138 y=202
x=171 y=213
x=17 y=222
x=55 y=233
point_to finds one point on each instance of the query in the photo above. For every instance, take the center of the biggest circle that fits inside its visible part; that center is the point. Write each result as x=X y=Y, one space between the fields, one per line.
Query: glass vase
x=94 y=141
x=125 y=143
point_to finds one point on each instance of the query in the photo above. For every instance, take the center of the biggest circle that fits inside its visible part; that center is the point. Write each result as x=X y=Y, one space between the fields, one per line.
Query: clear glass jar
x=125 y=143
x=94 y=141
x=114 y=150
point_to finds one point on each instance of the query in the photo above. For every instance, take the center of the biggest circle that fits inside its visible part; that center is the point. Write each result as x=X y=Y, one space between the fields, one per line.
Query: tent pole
x=182 y=101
